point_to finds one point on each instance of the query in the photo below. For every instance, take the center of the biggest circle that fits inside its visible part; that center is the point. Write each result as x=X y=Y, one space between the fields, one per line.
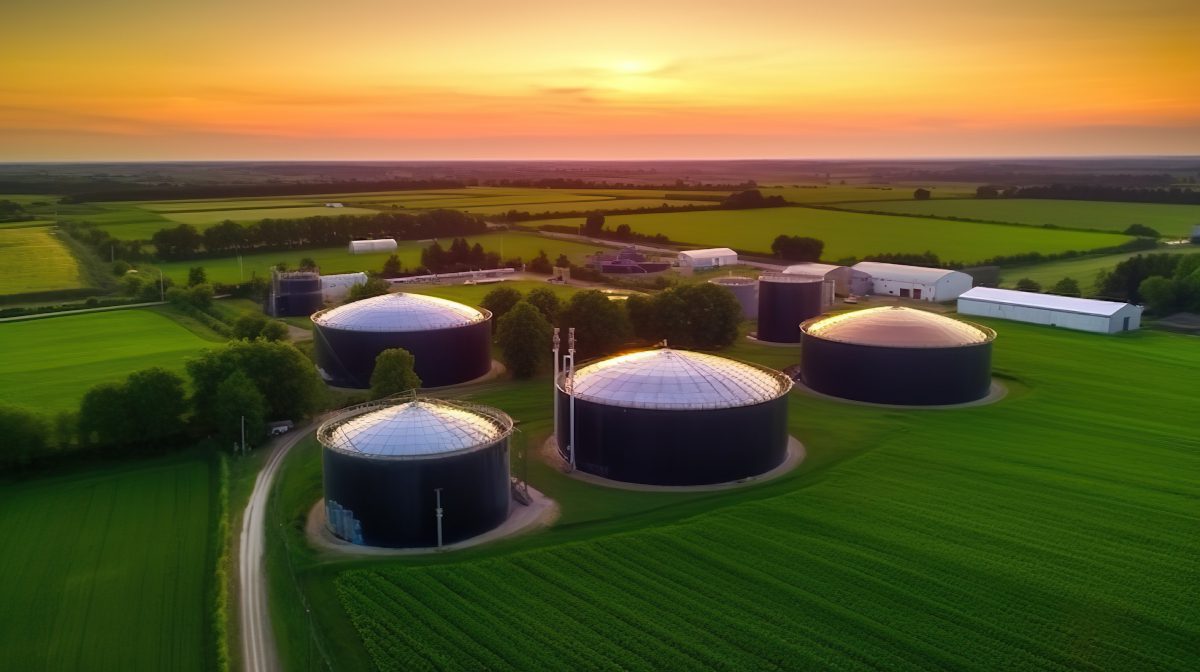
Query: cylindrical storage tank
x=451 y=343
x=745 y=290
x=369 y=246
x=297 y=293
x=897 y=355
x=784 y=301
x=384 y=468
x=674 y=417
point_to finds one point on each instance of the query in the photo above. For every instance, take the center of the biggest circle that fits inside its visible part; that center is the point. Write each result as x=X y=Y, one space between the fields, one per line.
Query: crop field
x=1052 y=530
x=850 y=234
x=1085 y=270
x=1167 y=219
x=107 y=569
x=33 y=259
x=51 y=362
x=206 y=218
x=338 y=260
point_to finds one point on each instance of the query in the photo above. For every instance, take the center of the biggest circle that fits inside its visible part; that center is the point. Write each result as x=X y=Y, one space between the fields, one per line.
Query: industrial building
x=294 y=293
x=335 y=288
x=372 y=246
x=450 y=342
x=745 y=290
x=915 y=282
x=673 y=417
x=416 y=473
x=846 y=280
x=784 y=301
x=897 y=355
x=1101 y=317
x=710 y=258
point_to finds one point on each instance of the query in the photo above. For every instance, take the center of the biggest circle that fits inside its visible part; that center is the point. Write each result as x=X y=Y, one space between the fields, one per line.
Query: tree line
x=1095 y=192
x=124 y=191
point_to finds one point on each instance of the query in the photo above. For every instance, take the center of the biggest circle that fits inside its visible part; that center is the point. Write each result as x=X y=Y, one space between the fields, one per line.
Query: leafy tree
x=120 y=267
x=1067 y=287
x=392 y=268
x=624 y=232
x=155 y=401
x=274 y=330
x=394 y=373
x=546 y=301
x=640 y=309
x=703 y=316
x=198 y=296
x=601 y=326
x=593 y=225
x=987 y=191
x=751 y=198
x=249 y=325
x=500 y=301
x=308 y=264
x=132 y=284
x=524 y=338
x=922 y=194
x=180 y=242
x=237 y=398
x=104 y=416
x=1029 y=285
x=541 y=264
x=26 y=436
x=196 y=276
x=372 y=287
x=797 y=248
x=1142 y=230
x=1125 y=279
x=1159 y=294
x=284 y=377
x=563 y=261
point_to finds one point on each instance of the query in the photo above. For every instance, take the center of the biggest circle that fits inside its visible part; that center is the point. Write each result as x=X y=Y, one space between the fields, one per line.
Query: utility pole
x=439 y=515
x=243 y=435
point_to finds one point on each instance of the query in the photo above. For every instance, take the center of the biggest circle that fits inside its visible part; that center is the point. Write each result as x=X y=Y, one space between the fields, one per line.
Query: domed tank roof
x=677 y=380
x=400 y=312
x=417 y=428
x=897 y=327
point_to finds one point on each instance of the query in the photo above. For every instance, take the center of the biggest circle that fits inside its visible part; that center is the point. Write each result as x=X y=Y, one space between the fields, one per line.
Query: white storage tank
x=372 y=246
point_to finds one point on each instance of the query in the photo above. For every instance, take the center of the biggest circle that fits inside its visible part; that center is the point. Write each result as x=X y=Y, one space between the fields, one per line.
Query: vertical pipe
x=571 y=354
x=557 y=364
x=439 y=515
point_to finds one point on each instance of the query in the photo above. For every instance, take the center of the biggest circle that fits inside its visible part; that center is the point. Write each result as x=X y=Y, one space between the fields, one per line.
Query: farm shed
x=710 y=258
x=897 y=355
x=386 y=468
x=371 y=246
x=916 y=282
x=674 y=417
x=845 y=280
x=1102 y=317
x=337 y=287
x=450 y=342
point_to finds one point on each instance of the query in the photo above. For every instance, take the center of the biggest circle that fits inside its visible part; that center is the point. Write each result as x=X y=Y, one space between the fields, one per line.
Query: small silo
x=386 y=468
x=674 y=417
x=451 y=343
x=294 y=293
x=745 y=290
x=784 y=301
x=897 y=355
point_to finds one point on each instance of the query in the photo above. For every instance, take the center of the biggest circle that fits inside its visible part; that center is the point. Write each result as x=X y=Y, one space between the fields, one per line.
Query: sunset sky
x=468 y=79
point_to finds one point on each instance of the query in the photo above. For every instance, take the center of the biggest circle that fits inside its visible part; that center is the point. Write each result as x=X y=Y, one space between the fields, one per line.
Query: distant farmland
x=849 y=234
x=33 y=259
x=108 y=569
x=1169 y=220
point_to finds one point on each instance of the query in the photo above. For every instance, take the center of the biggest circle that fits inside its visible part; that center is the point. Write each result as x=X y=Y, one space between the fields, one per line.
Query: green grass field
x=108 y=569
x=206 y=218
x=1084 y=270
x=1052 y=530
x=33 y=259
x=338 y=260
x=51 y=362
x=844 y=193
x=1169 y=220
x=849 y=234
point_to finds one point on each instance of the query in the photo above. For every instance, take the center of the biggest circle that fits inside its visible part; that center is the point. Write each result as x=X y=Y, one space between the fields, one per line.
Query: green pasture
x=206 y=218
x=33 y=259
x=583 y=206
x=850 y=234
x=1167 y=219
x=1051 y=530
x=338 y=260
x=1084 y=269
x=109 y=568
x=843 y=193
x=49 y=363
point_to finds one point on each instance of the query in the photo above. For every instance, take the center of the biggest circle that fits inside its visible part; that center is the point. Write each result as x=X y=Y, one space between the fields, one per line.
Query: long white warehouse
x=710 y=258
x=369 y=246
x=914 y=282
x=1102 y=317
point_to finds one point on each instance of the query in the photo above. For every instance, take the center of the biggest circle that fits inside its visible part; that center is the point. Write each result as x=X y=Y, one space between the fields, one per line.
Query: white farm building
x=710 y=258
x=337 y=287
x=845 y=280
x=1102 y=317
x=371 y=246
x=914 y=282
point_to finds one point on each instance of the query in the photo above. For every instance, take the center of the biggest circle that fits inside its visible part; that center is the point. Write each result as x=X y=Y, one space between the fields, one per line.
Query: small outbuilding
x=1101 y=317
x=845 y=280
x=710 y=258
x=914 y=282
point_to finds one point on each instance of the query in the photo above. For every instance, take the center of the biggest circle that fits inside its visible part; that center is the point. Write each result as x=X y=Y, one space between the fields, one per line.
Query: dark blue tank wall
x=296 y=305
x=664 y=447
x=392 y=503
x=443 y=356
x=902 y=376
x=782 y=306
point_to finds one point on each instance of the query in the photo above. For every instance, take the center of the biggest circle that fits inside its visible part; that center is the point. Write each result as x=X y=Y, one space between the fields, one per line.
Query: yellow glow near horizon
x=374 y=79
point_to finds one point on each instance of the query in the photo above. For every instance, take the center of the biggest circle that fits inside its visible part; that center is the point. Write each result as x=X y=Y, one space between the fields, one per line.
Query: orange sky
x=464 y=79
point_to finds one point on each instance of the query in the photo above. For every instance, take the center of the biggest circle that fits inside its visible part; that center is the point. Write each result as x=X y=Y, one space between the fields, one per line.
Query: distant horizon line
x=1031 y=157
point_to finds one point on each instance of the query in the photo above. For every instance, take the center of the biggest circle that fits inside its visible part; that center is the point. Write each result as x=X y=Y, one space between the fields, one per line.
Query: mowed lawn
x=338 y=260
x=850 y=234
x=33 y=259
x=107 y=569
x=50 y=363
x=1054 y=530
x=1085 y=269
x=1167 y=219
